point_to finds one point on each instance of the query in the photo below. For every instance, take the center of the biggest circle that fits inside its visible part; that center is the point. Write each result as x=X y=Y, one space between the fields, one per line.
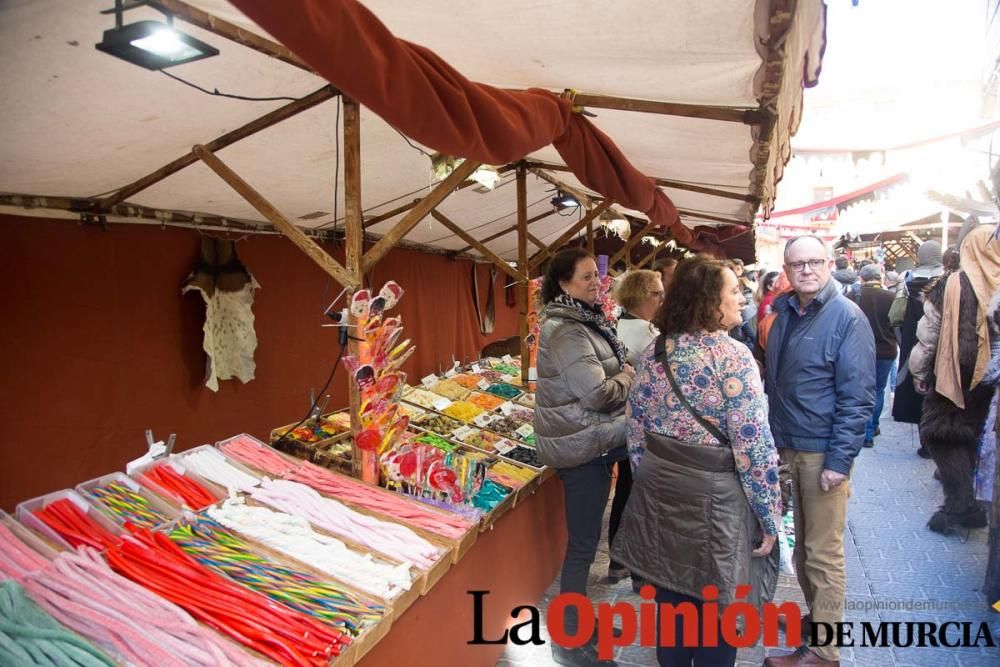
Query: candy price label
x=483 y=384
x=441 y=403
x=429 y=380
x=504 y=446
x=525 y=430
x=506 y=408
x=463 y=433
x=482 y=421
x=506 y=378
x=476 y=369
x=507 y=359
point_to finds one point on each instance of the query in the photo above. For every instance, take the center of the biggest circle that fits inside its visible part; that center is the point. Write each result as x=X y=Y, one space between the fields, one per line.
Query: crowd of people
x=711 y=390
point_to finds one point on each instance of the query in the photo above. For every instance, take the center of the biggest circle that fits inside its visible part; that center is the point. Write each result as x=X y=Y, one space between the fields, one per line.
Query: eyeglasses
x=813 y=264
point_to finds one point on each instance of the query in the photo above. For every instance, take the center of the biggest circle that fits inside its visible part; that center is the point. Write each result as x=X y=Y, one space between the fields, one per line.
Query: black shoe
x=940 y=522
x=868 y=443
x=585 y=656
x=878 y=431
x=972 y=518
x=923 y=452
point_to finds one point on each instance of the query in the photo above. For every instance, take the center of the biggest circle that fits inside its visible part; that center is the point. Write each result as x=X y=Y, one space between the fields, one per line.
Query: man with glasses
x=821 y=388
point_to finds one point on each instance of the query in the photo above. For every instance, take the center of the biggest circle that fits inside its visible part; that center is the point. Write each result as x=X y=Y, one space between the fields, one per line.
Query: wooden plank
x=522 y=264
x=230 y=31
x=512 y=228
x=561 y=241
x=633 y=240
x=486 y=252
x=306 y=244
x=382 y=217
x=267 y=120
x=539 y=244
x=747 y=116
x=715 y=218
x=590 y=237
x=418 y=213
x=647 y=259
x=663 y=182
x=353 y=252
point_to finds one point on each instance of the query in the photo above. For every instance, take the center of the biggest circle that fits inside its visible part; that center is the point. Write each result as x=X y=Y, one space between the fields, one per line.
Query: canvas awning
x=78 y=123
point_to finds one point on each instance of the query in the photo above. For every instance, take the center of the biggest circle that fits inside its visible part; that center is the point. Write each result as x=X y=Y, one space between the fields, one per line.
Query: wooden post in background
x=354 y=250
x=590 y=237
x=522 y=265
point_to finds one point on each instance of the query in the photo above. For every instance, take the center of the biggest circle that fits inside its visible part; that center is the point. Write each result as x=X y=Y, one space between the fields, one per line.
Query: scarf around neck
x=594 y=317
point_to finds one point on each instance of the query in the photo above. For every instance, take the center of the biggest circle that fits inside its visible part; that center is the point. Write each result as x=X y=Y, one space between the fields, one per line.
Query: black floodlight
x=152 y=44
x=563 y=201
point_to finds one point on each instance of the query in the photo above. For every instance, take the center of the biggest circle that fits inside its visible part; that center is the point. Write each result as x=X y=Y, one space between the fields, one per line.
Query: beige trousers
x=819 y=540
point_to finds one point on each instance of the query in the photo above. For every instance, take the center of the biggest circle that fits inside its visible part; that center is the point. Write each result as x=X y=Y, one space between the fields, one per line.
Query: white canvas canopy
x=78 y=123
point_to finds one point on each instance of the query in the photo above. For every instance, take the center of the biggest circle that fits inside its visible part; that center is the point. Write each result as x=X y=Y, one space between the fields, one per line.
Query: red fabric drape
x=418 y=93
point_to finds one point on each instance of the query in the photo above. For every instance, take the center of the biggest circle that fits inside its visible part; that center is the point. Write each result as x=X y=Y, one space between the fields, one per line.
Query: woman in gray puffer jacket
x=583 y=385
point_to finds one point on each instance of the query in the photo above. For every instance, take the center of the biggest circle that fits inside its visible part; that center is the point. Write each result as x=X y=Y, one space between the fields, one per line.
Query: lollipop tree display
x=374 y=370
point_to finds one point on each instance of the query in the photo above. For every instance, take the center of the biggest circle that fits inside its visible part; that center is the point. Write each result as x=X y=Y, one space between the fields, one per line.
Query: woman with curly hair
x=705 y=468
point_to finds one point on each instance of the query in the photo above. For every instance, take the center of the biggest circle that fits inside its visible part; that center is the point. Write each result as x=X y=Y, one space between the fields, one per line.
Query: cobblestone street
x=893 y=561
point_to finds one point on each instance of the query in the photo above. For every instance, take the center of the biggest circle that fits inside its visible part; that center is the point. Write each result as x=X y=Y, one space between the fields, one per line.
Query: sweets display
x=294 y=536
x=450 y=390
x=504 y=390
x=463 y=411
x=421 y=397
x=435 y=423
x=488 y=402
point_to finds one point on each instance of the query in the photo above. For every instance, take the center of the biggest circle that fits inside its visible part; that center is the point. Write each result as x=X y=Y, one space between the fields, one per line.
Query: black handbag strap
x=661 y=356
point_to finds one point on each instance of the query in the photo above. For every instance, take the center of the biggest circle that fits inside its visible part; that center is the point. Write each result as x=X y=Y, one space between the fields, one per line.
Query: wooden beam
x=227 y=139
x=664 y=182
x=522 y=264
x=363 y=465
x=568 y=234
x=512 y=228
x=230 y=31
x=382 y=217
x=539 y=244
x=646 y=260
x=486 y=252
x=306 y=244
x=590 y=237
x=418 y=213
x=747 y=116
x=716 y=218
x=634 y=239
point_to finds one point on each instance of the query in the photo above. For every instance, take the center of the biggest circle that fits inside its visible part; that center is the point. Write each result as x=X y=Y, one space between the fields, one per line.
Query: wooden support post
x=216 y=145
x=418 y=213
x=364 y=467
x=561 y=241
x=633 y=240
x=590 y=237
x=486 y=252
x=306 y=244
x=512 y=228
x=522 y=265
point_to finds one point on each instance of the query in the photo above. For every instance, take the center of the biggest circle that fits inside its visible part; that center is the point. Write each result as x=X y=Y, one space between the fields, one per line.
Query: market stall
x=495 y=522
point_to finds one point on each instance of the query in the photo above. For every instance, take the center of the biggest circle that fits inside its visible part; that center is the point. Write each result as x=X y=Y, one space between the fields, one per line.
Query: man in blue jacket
x=821 y=388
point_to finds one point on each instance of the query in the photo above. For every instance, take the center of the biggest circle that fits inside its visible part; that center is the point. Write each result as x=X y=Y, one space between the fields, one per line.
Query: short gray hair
x=792 y=241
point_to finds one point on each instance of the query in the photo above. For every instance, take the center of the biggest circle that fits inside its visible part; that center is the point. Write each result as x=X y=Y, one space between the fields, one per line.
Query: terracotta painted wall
x=98 y=344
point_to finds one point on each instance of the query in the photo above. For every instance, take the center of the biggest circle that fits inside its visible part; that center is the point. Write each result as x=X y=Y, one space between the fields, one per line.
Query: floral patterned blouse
x=719 y=378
